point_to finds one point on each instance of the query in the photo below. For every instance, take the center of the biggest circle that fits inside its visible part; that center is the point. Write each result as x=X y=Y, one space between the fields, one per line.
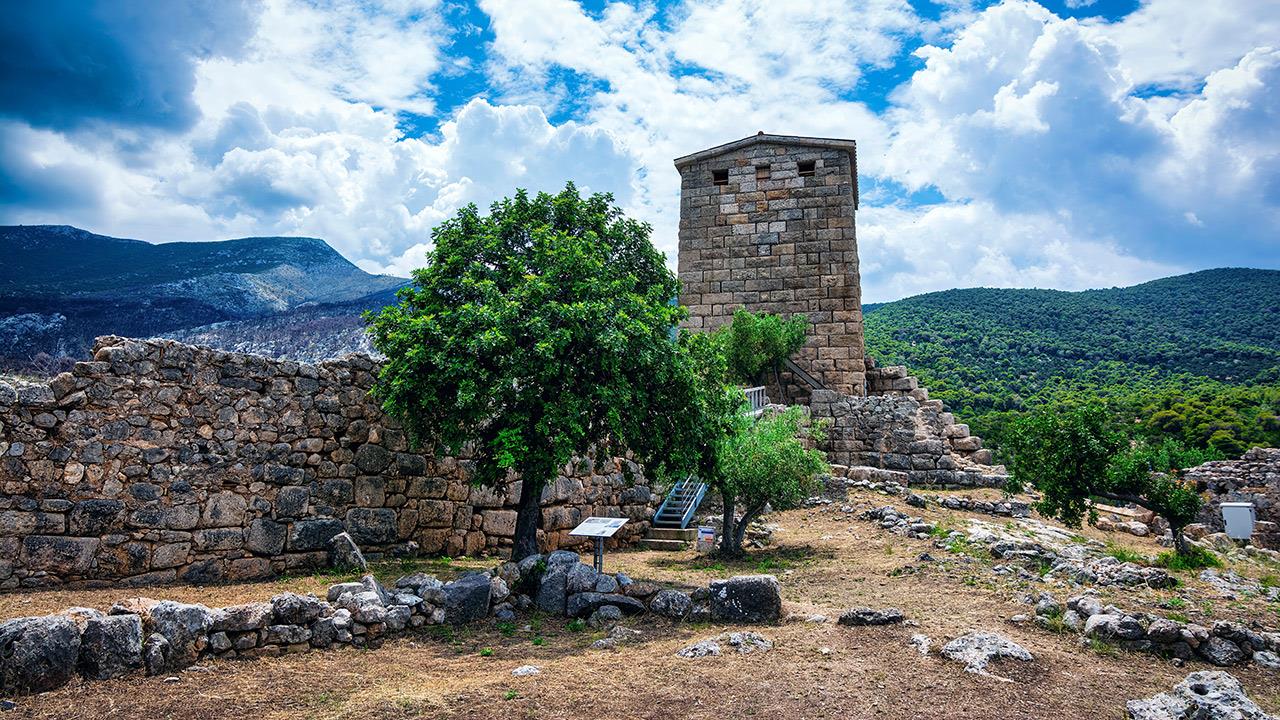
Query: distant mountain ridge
x=1212 y=335
x=61 y=286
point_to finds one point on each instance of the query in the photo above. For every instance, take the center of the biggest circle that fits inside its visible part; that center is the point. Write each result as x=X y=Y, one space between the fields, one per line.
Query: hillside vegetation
x=1194 y=356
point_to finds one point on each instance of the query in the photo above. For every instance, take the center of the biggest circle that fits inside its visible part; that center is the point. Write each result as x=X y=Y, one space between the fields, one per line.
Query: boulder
x=294 y=609
x=581 y=605
x=1108 y=626
x=467 y=598
x=110 y=646
x=344 y=554
x=155 y=654
x=871 y=616
x=365 y=606
x=37 y=654
x=336 y=591
x=552 y=588
x=671 y=604
x=605 y=617
x=746 y=599
x=186 y=627
x=581 y=578
x=1203 y=695
x=287 y=634
x=398 y=617
x=313 y=534
x=1221 y=652
x=243 y=618
x=606 y=584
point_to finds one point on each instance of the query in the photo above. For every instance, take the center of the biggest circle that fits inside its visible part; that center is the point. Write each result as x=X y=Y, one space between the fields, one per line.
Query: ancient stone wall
x=901 y=439
x=1254 y=478
x=767 y=224
x=159 y=461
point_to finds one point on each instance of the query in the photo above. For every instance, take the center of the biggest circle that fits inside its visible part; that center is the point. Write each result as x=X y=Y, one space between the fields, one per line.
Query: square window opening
x=807 y=168
x=719 y=177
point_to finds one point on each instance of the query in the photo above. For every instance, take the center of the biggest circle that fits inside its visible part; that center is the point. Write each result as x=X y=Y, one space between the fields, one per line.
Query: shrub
x=1194 y=558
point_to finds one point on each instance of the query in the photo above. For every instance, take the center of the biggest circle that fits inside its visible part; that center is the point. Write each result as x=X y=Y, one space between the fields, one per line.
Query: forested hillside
x=1196 y=356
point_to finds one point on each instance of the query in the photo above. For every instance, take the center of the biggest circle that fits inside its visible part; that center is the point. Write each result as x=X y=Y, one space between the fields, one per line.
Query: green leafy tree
x=757 y=344
x=765 y=462
x=1150 y=474
x=1073 y=455
x=1064 y=453
x=536 y=332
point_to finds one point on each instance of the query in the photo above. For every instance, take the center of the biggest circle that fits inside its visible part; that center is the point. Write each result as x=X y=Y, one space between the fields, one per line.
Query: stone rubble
x=743 y=642
x=1225 y=644
x=869 y=616
x=41 y=653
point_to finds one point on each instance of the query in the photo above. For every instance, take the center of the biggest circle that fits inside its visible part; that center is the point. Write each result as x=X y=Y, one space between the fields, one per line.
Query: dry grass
x=826 y=562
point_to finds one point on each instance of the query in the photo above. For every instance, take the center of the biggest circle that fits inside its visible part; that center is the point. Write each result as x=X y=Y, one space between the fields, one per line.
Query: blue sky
x=1064 y=144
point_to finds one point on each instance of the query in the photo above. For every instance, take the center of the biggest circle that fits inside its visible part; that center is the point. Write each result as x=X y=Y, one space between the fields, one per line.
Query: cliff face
x=158 y=461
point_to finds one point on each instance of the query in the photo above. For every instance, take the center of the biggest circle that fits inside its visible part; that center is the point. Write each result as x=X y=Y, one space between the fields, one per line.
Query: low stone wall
x=1225 y=644
x=159 y=461
x=38 y=654
x=1254 y=478
x=913 y=439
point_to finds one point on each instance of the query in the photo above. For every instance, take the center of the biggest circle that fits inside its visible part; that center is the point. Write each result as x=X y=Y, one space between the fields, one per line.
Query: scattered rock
x=743 y=642
x=977 y=650
x=920 y=642
x=871 y=616
x=526 y=671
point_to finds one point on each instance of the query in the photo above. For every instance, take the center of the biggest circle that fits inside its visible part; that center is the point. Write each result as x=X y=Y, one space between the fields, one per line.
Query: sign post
x=599 y=528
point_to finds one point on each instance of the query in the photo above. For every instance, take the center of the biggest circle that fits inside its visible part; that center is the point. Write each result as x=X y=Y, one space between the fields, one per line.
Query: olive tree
x=537 y=331
x=766 y=462
x=758 y=344
x=1073 y=456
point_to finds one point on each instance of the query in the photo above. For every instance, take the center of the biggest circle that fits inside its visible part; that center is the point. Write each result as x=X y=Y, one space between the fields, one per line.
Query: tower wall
x=761 y=230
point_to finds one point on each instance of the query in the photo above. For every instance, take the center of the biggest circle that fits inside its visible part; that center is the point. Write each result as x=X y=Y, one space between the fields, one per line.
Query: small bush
x=507 y=628
x=1269 y=581
x=1126 y=555
x=510 y=695
x=1177 y=617
x=539 y=640
x=486 y=652
x=1196 y=559
x=577 y=625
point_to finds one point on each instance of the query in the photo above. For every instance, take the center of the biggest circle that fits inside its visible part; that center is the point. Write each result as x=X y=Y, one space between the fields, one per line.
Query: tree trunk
x=729 y=544
x=1180 y=544
x=782 y=391
x=740 y=531
x=528 y=517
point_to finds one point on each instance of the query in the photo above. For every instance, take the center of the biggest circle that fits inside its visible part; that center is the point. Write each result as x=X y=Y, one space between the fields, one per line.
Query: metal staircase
x=669 y=528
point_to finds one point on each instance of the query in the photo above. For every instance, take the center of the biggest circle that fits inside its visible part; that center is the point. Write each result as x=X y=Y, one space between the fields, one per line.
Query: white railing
x=757 y=398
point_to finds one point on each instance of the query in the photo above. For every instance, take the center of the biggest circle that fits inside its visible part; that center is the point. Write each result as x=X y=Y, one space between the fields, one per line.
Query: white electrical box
x=1238 y=518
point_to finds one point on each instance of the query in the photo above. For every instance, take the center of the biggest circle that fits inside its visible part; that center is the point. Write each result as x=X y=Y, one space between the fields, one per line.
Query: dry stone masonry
x=159 y=461
x=1254 y=478
x=766 y=224
x=38 y=654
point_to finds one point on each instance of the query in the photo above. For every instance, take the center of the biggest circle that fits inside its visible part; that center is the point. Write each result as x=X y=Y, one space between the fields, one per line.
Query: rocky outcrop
x=159 y=462
x=1204 y=695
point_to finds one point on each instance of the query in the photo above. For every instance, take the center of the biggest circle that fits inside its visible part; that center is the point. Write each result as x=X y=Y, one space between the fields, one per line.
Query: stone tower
x=766 y=223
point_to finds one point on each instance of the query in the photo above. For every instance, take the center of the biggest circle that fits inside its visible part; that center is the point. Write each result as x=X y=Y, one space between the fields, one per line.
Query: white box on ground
x=602 y=527
x=1239 y=517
